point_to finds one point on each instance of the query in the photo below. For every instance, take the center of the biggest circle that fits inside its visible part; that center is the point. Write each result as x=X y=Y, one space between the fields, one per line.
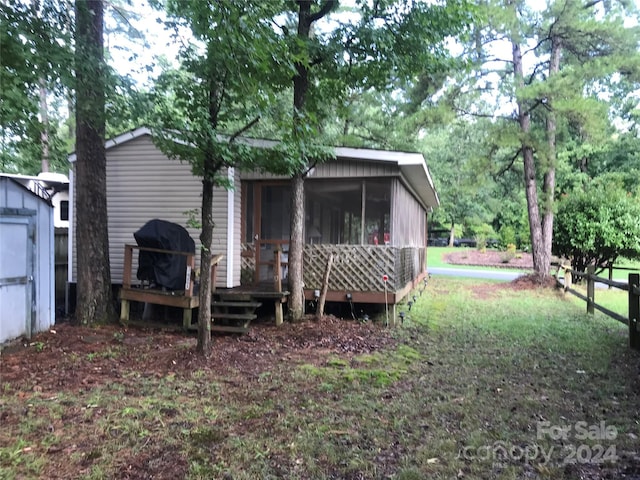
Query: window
x=334 y=211
x=64 y=210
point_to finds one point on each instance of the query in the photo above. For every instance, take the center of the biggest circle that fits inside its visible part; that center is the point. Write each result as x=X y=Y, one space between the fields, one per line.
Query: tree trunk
x=44 y=119
x=540 y=259
x=452 y=234
x=549 y=185
x=206 y=237
x=300 y=89
x=296 y=285
x=94 y=296
x=535 y=225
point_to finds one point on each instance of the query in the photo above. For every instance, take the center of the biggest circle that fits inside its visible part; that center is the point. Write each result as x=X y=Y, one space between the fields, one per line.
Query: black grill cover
x=164 y=269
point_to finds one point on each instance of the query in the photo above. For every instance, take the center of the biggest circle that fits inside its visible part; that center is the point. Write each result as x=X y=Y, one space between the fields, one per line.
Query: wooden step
x=225 y=303
x=234 y=316
x=230 y=329
x=234 y=297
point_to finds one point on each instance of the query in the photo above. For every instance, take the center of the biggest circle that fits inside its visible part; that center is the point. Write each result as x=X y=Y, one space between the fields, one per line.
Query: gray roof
x=412 y=165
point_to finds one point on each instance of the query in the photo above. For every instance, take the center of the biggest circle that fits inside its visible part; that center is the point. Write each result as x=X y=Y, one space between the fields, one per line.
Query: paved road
x=501 y=275
x=487 y=274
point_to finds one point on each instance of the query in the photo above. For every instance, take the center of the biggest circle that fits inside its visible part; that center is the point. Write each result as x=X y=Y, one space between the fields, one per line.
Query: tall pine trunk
x=549 y=185
x=538 y=249
x=44 y=119
x=94 y=297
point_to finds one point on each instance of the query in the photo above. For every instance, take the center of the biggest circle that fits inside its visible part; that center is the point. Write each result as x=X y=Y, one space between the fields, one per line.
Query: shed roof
x=412 y=164
x=34 y=185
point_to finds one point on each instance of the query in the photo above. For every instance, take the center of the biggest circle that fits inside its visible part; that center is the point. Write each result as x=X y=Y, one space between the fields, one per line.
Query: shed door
x=16 y=274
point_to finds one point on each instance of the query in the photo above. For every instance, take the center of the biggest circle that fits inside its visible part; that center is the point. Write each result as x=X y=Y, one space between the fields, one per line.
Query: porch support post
x=277 y=284
x=363 y=212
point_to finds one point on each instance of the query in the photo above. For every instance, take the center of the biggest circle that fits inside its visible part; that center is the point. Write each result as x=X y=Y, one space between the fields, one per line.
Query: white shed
x=27 y=285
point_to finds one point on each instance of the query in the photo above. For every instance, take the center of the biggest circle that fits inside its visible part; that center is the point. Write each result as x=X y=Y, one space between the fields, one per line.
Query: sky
x=158 y=42
x=144 y=67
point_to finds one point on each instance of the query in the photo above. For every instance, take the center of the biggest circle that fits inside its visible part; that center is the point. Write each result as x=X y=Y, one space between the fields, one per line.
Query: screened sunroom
x=371 y=215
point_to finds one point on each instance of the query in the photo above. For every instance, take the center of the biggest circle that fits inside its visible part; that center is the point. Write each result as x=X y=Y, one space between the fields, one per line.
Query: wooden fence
x=632 y=286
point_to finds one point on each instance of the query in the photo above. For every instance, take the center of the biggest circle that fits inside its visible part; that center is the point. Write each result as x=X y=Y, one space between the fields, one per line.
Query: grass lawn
x=483 y=381
x=436 y=259
x=435 y=256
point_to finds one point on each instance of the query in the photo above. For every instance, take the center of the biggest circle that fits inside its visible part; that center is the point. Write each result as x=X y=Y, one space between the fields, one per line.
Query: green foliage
x=457 y=155
x=35 y=55
x=597 y=226
x=482 y=234
x=36 y=62
x=507 y=236
x=221 y=88
x=569 y=106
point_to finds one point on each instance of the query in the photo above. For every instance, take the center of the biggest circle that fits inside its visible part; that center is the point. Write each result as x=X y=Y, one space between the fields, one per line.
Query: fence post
x=610 y=274
x=591 y=270
x=634 y=311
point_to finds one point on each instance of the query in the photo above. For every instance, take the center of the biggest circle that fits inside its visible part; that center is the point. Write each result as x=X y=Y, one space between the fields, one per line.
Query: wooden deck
x=233 y=309
x=184 y=299
x=368 y=273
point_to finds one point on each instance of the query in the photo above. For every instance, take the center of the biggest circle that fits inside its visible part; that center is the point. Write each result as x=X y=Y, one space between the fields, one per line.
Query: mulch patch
x=79 y=358
x=489 y=258
x=495 y=259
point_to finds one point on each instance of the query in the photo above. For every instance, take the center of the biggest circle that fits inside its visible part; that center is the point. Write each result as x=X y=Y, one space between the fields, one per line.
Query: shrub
x=482 y=233
x=597 y=226
x=507 y=236
x=509 y=253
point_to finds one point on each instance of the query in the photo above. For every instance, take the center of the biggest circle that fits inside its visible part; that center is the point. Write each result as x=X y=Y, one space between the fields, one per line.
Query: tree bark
x=300 y=90
x=44 y=119
x=210 y=168
x=296 y=245
x=549 y=183
x=206 y=236
x=94 y=295
x=540 y=263
x=296 y=241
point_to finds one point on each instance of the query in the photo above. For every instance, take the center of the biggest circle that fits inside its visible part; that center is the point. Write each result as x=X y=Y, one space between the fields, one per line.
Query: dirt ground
x=48 y=361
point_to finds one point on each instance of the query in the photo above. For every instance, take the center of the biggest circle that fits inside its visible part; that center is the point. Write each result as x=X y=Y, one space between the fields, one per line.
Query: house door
x=17 y=228
x=272 y=226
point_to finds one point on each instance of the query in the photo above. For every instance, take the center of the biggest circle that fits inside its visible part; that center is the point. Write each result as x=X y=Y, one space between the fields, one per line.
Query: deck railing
x=362 y=268
x=357 y=268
